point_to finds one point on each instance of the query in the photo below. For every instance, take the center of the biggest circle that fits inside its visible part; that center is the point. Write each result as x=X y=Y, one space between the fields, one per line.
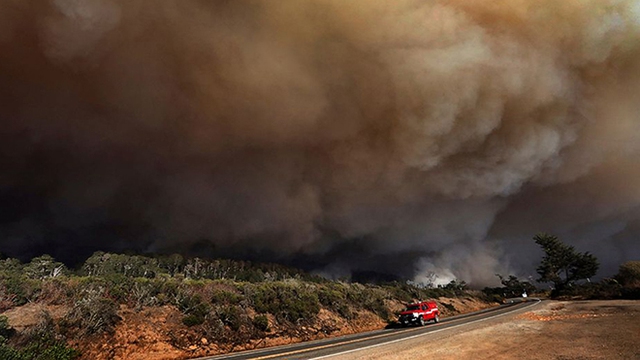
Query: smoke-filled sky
x=403 y=137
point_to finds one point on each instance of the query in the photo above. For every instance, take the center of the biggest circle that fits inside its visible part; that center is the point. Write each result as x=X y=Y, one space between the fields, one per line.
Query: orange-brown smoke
x=401 y=136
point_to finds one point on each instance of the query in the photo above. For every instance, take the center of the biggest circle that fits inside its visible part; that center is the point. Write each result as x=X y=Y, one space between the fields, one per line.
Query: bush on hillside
x=92 y=312
x=289 y=302
x=6 y=331
x=226 y=297
x=261 y=322
x=192 y=305
x=333 y=297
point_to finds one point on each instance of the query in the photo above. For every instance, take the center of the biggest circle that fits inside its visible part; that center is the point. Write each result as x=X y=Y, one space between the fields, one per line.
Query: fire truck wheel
x=436 y=319
x=422 y=322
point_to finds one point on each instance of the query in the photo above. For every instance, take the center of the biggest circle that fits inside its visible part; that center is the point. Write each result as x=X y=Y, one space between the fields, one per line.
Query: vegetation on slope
x=233 y=302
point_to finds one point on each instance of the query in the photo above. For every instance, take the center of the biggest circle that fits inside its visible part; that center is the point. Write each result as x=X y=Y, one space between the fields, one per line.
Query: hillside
x=134 y=307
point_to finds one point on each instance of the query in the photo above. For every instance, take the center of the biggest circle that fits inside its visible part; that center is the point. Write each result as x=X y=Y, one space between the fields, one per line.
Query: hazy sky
x=403 y=137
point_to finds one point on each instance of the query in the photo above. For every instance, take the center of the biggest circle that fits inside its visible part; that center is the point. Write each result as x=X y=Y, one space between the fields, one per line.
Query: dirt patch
x=147 y=334
x=32 y=314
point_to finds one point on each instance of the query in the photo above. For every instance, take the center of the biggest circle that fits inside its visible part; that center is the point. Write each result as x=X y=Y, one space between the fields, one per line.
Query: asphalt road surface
x=326 y=348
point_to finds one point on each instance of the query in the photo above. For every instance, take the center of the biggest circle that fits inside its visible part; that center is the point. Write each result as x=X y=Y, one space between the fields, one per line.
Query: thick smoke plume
x=403 y=137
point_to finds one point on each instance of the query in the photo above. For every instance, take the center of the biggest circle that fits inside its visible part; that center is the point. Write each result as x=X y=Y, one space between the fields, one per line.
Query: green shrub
x=144 y=293
x=230 y=316
x=495 y=294
x=329 y=296
x=20 y=289
x=43 y=267
x=118 y=286
x=92 y=313
x=9 y=353
x=168 y=290
x=193 y=307
x=251 y=275
x=115 y=286
x=193 y=320
x=334 y=298
x=378 y=306
x=6 y=331
x=286 y=301
x=456 y=286
x=370 y=298
x=56 y=291
x=55 y=351
x=44 y=346
x=261 y=322
x=226 y=297
x=403 y=292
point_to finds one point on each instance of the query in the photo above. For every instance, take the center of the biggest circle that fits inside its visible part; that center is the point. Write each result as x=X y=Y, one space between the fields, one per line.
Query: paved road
x=321 y=349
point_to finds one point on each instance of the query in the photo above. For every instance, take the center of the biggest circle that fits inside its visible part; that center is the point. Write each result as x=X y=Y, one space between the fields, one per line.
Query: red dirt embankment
x=157 y=333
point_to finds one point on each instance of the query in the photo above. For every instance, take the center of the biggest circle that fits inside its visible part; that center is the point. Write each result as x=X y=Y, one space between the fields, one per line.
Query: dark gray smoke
x=403 y=137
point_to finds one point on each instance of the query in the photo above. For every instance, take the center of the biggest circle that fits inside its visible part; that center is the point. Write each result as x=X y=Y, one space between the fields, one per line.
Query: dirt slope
x=157 y=333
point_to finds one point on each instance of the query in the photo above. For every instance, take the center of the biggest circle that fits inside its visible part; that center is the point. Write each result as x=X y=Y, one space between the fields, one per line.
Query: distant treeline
x=101 y=263
x=193 y=268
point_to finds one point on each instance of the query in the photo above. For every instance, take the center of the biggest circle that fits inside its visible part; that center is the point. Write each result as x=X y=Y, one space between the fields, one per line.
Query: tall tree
x=562 y=264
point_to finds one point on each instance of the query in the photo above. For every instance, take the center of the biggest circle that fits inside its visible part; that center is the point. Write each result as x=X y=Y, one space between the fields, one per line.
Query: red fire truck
x=419 y=313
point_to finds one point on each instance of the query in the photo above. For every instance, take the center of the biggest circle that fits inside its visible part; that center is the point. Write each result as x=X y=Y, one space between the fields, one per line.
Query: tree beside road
x=562 y=265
